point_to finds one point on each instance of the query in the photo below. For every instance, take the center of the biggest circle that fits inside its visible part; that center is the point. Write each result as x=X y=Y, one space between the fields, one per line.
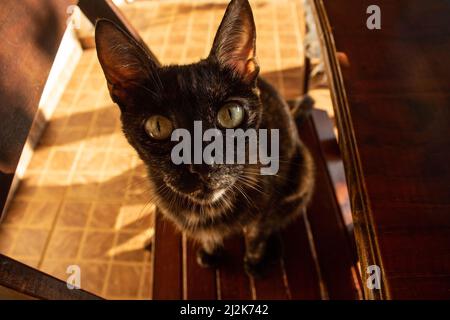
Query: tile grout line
x=19 y=227
x=210 y=31
x=87 y=260
x=111 y=261
x=297 y=28
x=167 y=34
x=46 y=168
x=300 y=46
x=66 y=228
x=277 y=51
x=188 y=35
x=86 y=229
x=40 y=179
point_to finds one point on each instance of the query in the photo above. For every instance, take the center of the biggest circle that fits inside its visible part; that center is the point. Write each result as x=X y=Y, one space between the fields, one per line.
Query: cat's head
x=220 y=91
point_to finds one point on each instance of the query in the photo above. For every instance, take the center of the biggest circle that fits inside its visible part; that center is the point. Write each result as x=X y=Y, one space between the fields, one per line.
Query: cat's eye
x=230 y=115
x=158 y=127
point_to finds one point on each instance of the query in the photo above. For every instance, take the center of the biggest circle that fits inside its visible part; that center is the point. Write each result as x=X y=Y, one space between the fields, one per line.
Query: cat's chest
x=192 y=218
x=205 y=220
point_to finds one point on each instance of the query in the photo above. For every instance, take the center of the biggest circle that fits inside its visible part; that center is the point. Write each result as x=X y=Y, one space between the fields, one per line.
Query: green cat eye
x=230 y=115
x=158 y=127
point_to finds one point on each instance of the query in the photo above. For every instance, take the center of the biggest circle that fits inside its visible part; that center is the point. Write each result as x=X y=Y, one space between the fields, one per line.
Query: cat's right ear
x=125 y=63
x=234 y=45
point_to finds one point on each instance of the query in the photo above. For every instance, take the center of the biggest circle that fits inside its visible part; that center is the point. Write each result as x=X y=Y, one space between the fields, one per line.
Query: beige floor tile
x=124 y=281
x=130 y=247
x=146 y=288
x=62 y=160
x=8 y=236
x=93 y=276
x=97 y=245
x=57 y=268
x=30 y=243
x=28 y=186
x=83 y=187
x=104 y=215
x=74 y=214
x=43 y=213
x=91 y=161
x=64 y=244
x=17 y=212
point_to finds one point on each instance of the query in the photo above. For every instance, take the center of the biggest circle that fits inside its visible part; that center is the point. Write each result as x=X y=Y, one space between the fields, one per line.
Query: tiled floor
x=83 y=199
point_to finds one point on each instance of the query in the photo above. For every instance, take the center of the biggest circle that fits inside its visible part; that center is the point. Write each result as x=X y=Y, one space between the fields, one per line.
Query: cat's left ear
x=235 y=43
x=125 y=63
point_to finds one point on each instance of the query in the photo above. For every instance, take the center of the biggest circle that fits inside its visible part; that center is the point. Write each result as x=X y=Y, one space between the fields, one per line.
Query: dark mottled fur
x=260 y=205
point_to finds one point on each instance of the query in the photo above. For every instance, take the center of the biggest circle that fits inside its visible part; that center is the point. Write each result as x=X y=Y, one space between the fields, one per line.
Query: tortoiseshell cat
x=209 y=202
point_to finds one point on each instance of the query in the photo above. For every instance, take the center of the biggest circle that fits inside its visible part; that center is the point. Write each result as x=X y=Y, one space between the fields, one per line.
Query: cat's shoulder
x=270 y=97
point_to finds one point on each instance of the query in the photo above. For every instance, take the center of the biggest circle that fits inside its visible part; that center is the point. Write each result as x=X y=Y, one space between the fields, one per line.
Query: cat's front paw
x=257 y=264
x=254 y=267
x=209 y=260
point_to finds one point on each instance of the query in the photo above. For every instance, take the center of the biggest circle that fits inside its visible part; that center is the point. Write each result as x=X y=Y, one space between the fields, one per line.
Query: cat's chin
x=201 y=197
x=208 y=198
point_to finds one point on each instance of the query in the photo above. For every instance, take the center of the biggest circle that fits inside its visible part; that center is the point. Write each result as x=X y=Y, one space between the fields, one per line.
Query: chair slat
x=299 y=263
x=272 y=286
x=329 y=232
x=234 y=283
x=167 y=260
x=201 y=282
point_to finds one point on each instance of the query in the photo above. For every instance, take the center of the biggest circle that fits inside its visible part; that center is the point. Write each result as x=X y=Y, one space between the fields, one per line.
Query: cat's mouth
x=203 y=196
x=208 y=196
